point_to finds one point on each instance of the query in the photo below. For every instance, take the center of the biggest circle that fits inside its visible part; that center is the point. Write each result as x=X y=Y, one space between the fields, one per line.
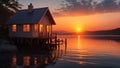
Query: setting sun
x=78 y=29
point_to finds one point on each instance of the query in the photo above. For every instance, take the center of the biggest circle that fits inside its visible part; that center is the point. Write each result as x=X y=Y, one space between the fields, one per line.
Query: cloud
x=85 y=7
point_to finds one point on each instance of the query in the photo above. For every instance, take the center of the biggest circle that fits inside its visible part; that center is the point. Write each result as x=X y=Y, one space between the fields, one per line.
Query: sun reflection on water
x=79 y=42
x=80 y=51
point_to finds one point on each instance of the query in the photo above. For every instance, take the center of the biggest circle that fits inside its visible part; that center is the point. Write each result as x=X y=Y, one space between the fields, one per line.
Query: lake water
x=80 y=52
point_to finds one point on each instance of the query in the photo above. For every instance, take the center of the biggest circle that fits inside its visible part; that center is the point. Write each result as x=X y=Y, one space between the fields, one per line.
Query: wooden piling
x=38 y=43
x=65 y=42
x=65 y=46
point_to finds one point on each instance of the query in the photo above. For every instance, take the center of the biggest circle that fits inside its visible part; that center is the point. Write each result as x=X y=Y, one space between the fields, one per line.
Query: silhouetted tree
x=7 y=8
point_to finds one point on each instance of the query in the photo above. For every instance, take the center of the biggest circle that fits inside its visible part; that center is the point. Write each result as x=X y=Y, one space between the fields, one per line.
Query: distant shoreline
x=111 y=32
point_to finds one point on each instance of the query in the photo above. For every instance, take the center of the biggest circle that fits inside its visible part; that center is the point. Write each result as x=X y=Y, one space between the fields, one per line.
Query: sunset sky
x=89 y=15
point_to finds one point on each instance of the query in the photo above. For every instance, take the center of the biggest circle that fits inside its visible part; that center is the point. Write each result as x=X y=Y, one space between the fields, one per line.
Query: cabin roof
x=24 y=17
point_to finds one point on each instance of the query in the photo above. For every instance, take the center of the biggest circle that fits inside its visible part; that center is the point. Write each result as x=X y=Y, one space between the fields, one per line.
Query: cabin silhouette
x=32 y=26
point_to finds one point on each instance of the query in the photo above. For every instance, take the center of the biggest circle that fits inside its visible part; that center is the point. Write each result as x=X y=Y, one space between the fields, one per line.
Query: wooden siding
x=45 y=21
x=32 y=34
x=19 y=32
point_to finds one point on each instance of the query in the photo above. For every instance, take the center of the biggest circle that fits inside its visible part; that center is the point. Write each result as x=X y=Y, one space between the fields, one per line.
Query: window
x=41 y=28
x=26 y=28
x=14 y=27
x=36 y=27
x=48 y=28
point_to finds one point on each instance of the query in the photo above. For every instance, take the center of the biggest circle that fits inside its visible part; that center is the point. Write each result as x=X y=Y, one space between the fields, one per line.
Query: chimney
x=30 y=8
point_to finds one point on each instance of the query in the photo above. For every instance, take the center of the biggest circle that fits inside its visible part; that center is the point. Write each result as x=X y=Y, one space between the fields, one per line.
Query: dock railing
x=52 y=35
x=48 y=35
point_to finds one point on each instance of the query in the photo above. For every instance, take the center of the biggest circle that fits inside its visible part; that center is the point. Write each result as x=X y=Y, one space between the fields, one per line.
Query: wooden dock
x=38 y=43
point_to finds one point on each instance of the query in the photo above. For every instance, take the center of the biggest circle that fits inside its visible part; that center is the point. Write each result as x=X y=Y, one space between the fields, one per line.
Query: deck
x=37 y=43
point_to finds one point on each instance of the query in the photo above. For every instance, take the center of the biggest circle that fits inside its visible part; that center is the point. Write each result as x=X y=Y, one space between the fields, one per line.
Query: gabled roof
x=24 y=17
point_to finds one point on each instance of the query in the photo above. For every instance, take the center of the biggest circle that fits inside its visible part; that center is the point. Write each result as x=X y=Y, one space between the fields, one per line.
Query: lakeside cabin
x=30 y=24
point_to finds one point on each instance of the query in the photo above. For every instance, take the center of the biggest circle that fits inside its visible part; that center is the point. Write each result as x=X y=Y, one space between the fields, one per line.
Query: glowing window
x=36 y=27
x=26 y=28
x=48 y=28
x=14 y=27
x=41 y=28
x=26 y=60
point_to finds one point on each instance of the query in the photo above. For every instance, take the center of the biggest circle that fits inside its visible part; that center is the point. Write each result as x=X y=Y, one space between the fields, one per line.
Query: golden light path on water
x=87 y=50
x=81 y=51
x=79 y=46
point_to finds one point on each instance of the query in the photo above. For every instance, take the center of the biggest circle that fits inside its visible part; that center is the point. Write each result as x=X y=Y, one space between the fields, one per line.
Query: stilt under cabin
x=36 y=43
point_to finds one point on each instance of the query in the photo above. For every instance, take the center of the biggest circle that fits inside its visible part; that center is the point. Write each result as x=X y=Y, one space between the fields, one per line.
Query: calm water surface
x=80 y=52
